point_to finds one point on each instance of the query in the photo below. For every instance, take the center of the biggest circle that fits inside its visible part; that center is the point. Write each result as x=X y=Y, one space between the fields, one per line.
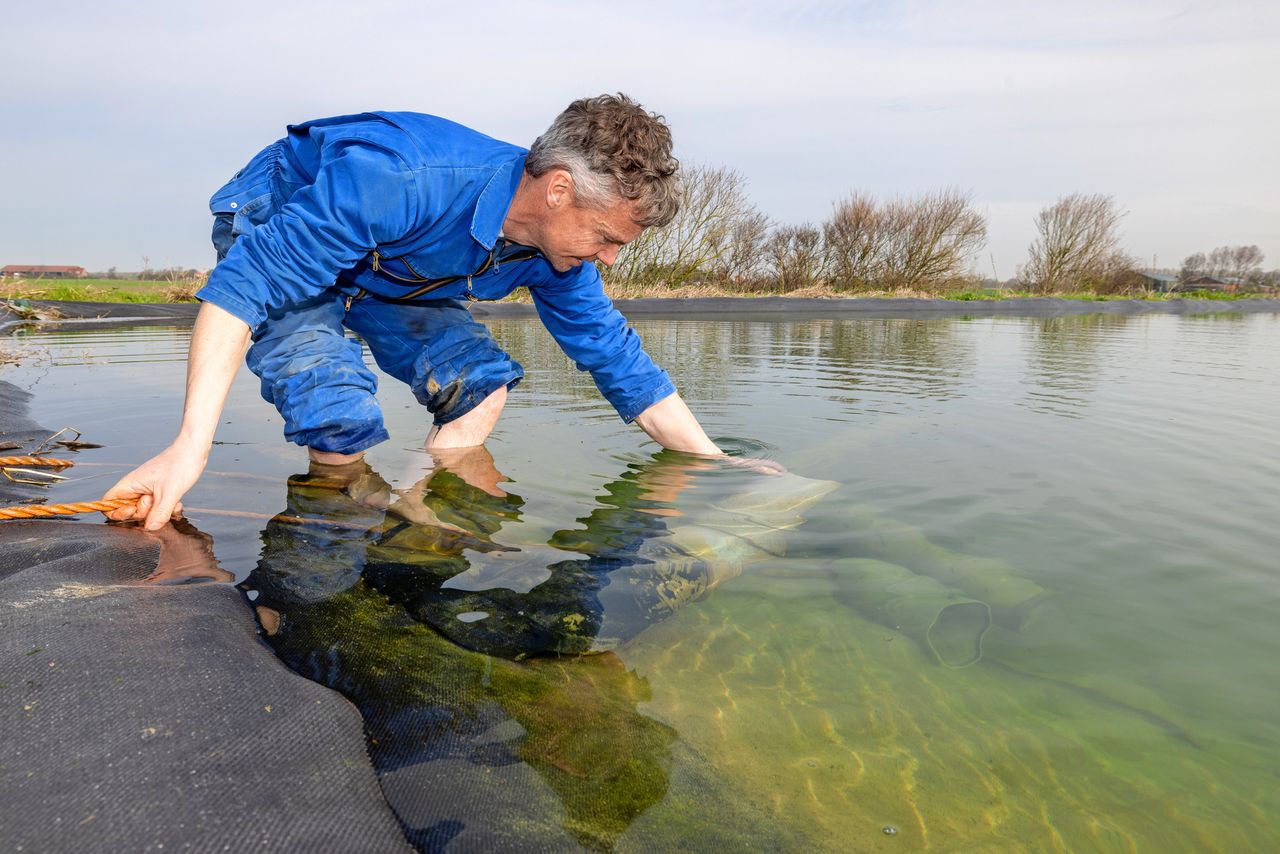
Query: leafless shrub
x=795 y=255
x=908 y=243
x=740 y=262
x=855 y=243
x=715 y=236
x=1077 y=247
x=1121 y=276
x=1243 y=263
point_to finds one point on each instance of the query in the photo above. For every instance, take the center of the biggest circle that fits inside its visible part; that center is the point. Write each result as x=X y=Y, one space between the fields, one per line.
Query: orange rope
x=35 y=511
x=36 y=461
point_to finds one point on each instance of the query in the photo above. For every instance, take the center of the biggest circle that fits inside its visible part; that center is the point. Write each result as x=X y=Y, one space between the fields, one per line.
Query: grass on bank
x=101 y=290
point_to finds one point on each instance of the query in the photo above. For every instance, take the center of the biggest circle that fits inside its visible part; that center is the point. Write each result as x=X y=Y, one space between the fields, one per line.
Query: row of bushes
x=720 y=238
x=920 y=243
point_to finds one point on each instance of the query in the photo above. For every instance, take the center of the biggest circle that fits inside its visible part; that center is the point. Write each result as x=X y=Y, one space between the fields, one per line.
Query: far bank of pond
x=17 y=311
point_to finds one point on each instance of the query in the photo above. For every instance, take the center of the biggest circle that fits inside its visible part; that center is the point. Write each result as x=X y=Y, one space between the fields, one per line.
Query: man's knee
x=318 y=381
x=472 y=428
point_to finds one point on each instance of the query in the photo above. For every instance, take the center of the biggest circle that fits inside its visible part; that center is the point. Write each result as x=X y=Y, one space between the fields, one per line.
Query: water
x=1108 y=486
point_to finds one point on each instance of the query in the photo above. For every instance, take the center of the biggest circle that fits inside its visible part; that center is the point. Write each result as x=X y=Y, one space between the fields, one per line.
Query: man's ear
x=559 y=189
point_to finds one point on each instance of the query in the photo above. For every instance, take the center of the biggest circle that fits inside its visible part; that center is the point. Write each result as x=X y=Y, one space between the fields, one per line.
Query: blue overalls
x=387 y=224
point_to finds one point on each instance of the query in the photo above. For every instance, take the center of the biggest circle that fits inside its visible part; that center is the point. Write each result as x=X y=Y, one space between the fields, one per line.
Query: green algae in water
x=436 y=711
x=578 y=724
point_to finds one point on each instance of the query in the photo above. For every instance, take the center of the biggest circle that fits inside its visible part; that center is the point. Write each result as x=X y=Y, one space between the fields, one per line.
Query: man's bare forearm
x=218 y=342
x=670 y=423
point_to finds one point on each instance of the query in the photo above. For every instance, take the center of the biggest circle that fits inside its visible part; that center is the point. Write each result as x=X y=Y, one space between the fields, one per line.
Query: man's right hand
x=158 y=485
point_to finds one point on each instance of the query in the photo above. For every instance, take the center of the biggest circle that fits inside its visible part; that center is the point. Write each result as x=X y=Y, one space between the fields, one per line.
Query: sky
x=120 y=119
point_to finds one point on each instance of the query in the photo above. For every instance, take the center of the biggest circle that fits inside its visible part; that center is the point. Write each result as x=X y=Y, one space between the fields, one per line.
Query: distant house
x=42 y=271
x=1222 y=283
x=1159 y=282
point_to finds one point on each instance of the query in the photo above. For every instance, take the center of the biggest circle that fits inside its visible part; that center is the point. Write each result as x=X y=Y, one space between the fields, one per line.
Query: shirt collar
x=495 y=199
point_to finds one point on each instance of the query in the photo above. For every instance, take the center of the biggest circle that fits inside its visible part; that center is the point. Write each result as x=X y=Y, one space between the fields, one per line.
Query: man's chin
x=564 y=265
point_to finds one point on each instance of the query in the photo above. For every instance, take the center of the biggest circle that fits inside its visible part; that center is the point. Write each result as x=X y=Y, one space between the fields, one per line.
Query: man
x=386 y=223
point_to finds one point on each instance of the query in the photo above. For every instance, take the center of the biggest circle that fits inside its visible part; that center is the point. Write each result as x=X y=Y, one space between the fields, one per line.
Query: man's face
x=573 y=234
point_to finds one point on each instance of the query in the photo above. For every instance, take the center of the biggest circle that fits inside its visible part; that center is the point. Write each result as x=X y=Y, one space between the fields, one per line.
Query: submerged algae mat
x=486 y=729
x=141 y=716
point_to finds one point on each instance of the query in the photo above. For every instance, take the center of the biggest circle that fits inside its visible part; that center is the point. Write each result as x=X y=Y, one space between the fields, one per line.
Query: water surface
x=1107 y=485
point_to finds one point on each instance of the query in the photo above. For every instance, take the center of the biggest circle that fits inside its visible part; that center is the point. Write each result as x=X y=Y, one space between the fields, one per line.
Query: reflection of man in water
x=436 y=549
x=389 y=224
x=365 y=589
x=353 y=588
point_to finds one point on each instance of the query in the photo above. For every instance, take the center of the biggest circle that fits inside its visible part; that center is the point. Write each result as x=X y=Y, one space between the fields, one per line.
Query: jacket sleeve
x=595 y=335
x=363 y=195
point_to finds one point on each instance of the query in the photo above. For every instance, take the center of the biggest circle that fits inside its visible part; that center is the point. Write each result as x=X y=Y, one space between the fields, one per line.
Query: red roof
x=40 y=268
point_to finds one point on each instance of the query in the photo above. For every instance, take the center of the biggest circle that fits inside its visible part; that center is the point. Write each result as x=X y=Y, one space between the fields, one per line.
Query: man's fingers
x=177 y=510
x=156 y=511
x=123 y=489
x=158 y=517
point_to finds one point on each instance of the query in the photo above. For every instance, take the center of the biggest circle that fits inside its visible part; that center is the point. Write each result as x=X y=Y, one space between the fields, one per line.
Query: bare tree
x=902 y=243
x=712 y=236
x=740 y=261
x=1226 y=262
x=932 y=238
x=855 y=243
x=1219 y=262
x=1078 y=246
x=796 y=256
x=1236 y=262
x=1193 y=267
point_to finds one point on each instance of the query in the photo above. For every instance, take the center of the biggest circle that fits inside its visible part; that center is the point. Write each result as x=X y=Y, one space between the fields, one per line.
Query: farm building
x=42 y=271
x=1222 y=283
x=1159 y=282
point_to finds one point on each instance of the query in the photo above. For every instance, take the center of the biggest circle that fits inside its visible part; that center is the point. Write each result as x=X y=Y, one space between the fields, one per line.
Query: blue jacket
x=383 y=201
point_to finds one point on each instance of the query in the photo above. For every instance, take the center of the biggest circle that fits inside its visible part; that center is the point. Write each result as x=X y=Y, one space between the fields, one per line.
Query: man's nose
x=608 y=256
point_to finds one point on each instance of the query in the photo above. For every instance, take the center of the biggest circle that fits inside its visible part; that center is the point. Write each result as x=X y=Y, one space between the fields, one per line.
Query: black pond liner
x=142 y=716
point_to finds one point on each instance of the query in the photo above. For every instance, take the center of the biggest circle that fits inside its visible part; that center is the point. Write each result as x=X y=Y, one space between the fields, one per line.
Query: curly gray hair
x=614 y=150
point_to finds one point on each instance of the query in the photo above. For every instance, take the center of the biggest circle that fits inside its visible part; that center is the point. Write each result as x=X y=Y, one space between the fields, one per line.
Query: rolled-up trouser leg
x=449 y=360
x=316 y=377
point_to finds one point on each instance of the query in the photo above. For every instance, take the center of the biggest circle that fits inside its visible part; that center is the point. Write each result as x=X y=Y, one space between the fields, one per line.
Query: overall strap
x=503 y=253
